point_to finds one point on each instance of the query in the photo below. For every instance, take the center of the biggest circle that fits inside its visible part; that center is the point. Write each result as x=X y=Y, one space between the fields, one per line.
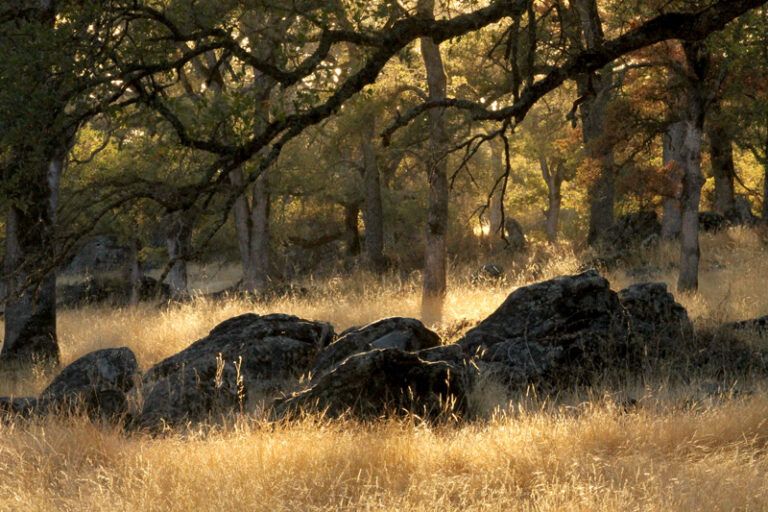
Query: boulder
x=382 y=382
x=242 y=360
x=654 y=315
x=407 y=334
x=22 y=406
x=518 y=363
x=569 y=312
x=97 y=382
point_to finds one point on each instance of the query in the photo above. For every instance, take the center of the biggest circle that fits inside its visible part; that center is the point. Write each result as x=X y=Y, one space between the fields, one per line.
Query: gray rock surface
x=242 y=360
x=407 y=334
x=381 y=382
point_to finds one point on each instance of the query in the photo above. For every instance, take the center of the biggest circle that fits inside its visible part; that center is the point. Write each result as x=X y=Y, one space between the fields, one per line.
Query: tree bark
x=693 y=180
x=253 y=235
x=435 y=256
x=698 y=62
x=674 y=160
x=496 y=215
x=30 y=311
x=597 y=89
x=135 y=272
x=723 y=169
x=373 y=214
x=554 y=180
x=178 y=242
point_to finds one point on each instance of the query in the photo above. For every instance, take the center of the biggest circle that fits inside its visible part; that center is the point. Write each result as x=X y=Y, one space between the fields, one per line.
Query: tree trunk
x=496 y=217
x=256 y=276
x=765 y=177
x=597 y=89
x=178 y=242
x=723 y=170
x=135 y=272
x=373 y=214
x=698 y=61
x=674 y=160
x=553 y=177
x=690 y=199
x=253 y=236
x=30 y=311
x=435 y=255
x=351 y=229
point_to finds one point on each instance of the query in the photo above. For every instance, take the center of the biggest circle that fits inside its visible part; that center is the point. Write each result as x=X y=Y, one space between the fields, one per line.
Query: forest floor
x=678 y=447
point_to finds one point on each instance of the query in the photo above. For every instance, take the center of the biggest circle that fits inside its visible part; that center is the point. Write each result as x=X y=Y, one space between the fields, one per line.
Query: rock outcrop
x=242 y=360
x=381 y=382
x=407 y=334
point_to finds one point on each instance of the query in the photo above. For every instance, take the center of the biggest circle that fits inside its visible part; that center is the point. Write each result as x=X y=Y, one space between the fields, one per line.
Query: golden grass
x=679 y=449
x=593 y=457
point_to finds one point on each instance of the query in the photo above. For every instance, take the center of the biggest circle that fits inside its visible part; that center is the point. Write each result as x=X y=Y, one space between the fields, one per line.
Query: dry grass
x=593 y=457
x=679 y=449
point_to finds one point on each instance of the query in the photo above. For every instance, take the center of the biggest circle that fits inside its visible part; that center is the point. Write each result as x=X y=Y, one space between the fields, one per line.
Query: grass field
x=681 y=447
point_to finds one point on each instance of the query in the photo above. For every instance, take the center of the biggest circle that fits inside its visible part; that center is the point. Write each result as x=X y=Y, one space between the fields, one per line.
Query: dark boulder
x=242 y=360
x=407 y=334
x=96 y=383
x=518 y=363
x=565 y=311
x=657 y=326
x=14 y=407
x=572 y=328
x=383 y=382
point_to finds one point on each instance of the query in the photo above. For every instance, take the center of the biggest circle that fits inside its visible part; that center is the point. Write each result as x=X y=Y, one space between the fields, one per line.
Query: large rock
x=574 y=327
x=242 y=360
x=95 y=384
x=406 y=334
x=382 y=382
x=569 y=312
x=109 y=368
x=655 y=320
x=518 y=363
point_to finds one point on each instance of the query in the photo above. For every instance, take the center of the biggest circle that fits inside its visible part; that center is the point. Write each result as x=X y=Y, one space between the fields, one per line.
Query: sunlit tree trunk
x=496 y=217
x=435 y=255
x=553 y=177
x=674 y=161
x=373 y=213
